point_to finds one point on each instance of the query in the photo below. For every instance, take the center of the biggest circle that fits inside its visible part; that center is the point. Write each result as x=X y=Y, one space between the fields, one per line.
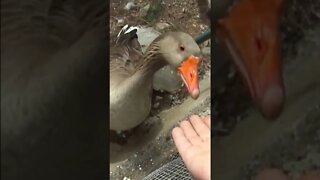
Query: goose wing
x=126 y=54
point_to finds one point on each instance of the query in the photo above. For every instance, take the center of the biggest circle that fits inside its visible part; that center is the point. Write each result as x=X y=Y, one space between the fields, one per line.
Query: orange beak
x=251 y=34
x=189 y=74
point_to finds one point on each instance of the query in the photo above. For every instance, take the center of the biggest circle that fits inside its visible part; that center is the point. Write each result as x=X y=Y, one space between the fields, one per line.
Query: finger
x=180 y=140
x=201 y=128
x=207 y=121
x=190 y=133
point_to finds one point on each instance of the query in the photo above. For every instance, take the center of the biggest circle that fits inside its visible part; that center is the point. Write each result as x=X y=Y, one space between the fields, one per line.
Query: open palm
x=192 y=139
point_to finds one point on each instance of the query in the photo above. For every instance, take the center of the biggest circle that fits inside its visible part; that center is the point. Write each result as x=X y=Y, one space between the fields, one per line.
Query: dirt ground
x=296 y=153
x=182 y=14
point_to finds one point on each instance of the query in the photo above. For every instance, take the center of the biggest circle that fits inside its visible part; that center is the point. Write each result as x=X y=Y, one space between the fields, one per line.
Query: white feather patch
x=127 y=30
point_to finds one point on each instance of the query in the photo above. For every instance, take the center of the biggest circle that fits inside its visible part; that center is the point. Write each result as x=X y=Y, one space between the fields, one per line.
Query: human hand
x=192 y=139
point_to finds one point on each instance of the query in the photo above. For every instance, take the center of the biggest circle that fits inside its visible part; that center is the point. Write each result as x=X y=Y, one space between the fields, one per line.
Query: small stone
x=156 y=105
x=161 y=26
x=143 y=12
x=120 y=22
x=207 y=43
x=129 y=6
x=206 y=50
x=158 y=98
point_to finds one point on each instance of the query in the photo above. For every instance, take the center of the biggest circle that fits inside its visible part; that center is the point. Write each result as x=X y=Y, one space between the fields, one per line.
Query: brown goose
x=131 y=73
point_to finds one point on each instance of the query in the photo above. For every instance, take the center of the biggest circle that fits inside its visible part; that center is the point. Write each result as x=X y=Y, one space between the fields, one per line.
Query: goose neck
x=153 y=60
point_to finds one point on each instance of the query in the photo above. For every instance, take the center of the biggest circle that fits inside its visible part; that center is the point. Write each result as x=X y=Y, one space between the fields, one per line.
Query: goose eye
x=181 y=48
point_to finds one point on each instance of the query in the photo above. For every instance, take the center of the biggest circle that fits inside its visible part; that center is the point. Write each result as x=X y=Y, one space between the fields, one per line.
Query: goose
x=250 y=31
x=52 y=84
x=131 y=73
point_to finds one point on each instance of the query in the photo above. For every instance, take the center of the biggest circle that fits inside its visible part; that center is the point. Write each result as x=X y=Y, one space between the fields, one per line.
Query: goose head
x=251 y=34
x=181 y=51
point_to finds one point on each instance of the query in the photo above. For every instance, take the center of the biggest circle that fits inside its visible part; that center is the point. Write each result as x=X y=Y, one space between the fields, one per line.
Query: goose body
x=131 y=73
